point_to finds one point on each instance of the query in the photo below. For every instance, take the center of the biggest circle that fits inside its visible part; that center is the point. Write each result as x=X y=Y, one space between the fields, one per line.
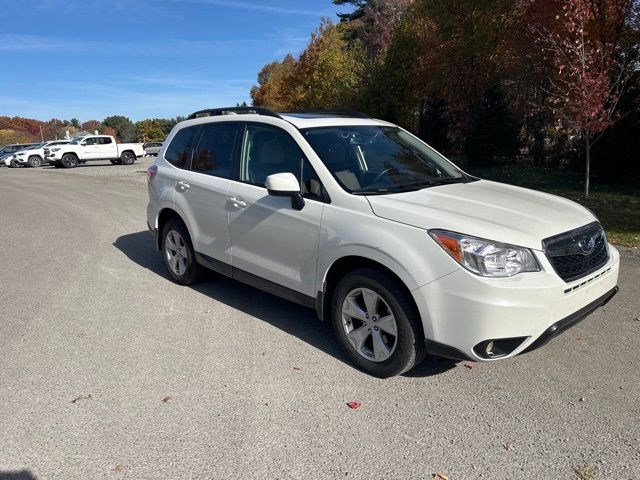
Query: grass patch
x=616 y=206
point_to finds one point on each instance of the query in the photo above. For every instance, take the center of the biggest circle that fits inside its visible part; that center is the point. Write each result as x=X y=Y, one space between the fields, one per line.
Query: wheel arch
x=341 y=267
x=164 y=216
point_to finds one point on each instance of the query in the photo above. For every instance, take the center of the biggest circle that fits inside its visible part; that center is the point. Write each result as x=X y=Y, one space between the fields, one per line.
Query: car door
x=202 y=192
x=106 y=148
x=270 y=239
x=90 y=150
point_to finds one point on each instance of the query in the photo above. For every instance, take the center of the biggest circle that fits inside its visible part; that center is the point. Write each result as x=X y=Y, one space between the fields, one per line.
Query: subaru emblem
x=588 y=245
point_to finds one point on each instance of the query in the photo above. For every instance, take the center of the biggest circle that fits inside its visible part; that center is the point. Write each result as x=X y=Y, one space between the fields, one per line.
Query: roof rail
x=335 y=113
x=214 y=112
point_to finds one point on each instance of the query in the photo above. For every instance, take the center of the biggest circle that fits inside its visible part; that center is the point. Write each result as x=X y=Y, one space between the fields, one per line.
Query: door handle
x=238 y=202
x=184 y=185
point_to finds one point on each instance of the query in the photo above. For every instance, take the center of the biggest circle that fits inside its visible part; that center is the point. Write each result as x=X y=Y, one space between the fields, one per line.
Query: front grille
x=577 y=253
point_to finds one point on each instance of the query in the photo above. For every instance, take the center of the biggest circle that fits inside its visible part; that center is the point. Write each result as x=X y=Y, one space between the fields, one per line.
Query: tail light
x=152 y=171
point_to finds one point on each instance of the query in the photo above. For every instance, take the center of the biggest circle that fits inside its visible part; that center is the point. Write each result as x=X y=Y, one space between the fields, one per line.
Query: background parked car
x=152 y=148
x=91 y=148
x=34 y=156
x=7 y=152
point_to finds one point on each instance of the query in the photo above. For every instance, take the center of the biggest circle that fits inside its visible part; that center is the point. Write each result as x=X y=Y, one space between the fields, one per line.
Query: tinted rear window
x=214 y=153
x=177 y=154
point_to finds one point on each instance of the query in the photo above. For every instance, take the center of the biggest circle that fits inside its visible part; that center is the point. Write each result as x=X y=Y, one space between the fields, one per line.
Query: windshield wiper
x=408 y=187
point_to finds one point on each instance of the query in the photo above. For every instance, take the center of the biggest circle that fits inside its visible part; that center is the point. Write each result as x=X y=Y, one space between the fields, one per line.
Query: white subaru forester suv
x=401 y=250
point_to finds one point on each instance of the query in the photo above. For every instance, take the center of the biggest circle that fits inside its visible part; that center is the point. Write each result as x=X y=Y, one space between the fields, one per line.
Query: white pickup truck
x=92 y=148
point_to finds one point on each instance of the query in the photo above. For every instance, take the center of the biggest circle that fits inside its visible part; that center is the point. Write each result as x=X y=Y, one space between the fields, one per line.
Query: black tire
x=35 y=161
x=14 y=163
x=127 y=158
x=193 y=271
x=116 y=161
x=69 y=160
x=409 y=343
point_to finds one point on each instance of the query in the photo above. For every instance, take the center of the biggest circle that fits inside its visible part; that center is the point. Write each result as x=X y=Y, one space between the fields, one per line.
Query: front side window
x=90 y=141
x=270 y=150
x=380 y=159
x=214 y=153
x=180 y=148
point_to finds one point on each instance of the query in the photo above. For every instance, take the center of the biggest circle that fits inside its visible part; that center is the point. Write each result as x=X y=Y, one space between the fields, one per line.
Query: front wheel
x=178 y=253
x=127 y=158
x=35 y=161
x=14 y=163
x=377 y=323
x=69 y=160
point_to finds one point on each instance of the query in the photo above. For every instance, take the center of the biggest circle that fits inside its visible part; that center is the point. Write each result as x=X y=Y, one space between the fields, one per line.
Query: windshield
x=380 y=159
x=76 y=140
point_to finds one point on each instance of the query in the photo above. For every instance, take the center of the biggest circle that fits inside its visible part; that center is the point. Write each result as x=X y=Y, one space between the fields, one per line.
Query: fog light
x=489 y=349
x=498 y=347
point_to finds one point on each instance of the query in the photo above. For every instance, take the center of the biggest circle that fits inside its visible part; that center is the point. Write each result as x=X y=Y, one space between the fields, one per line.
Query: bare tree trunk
x=587 y=145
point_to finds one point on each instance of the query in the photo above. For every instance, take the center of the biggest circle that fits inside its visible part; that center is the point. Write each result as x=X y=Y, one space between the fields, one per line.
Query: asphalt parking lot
x=109 y=370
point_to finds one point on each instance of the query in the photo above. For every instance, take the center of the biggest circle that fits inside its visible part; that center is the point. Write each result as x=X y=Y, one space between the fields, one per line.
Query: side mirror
x=285 y=185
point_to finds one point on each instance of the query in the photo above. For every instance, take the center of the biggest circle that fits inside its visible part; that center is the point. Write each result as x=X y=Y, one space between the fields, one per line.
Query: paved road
x=109 y=370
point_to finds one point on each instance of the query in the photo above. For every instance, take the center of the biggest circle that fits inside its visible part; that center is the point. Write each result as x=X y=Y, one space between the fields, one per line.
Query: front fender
x=409 y=252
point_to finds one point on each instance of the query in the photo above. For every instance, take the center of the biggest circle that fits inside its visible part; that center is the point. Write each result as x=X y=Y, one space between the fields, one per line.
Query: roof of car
x=312 y=120
x=301 y=120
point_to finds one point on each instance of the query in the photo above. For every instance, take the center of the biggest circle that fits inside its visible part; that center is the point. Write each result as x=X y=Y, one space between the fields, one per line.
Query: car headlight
x=486 y=257
x=20 y=154
x=55 y=149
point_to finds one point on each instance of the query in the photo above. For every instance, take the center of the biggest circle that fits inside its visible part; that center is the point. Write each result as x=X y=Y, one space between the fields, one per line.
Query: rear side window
x=177 y=154
x=215 y=150
x=104 y=140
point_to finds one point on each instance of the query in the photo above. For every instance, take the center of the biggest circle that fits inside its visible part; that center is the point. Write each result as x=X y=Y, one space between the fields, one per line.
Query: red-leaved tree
x=590 y=76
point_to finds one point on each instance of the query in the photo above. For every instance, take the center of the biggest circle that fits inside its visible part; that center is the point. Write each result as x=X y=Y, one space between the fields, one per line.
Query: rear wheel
x=377 y=323
x=127 y=158
x=69 y=160
x=178 y=253
x=35 y=161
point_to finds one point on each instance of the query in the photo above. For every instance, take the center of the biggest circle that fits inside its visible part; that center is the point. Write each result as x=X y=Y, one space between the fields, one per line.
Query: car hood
x=485 y=209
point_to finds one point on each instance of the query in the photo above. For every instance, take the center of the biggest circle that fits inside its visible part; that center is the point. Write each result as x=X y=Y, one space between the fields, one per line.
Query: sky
x=89 y=59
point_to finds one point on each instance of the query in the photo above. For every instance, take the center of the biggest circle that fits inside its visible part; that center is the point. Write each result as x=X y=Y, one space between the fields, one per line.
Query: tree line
x=26 y=130
x=536 y=81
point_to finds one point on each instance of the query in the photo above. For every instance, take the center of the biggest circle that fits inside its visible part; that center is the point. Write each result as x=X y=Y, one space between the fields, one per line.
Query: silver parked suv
x=401 y=250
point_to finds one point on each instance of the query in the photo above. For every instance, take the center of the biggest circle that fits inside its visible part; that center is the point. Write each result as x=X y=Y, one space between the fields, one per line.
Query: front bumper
x=461 y=311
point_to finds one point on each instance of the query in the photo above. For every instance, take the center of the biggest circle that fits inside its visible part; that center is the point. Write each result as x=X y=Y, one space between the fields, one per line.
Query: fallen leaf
x=119 y=468
x=468 y=365
x=508 y=447
x=354 y=405
x=296 y=368
x=81 y=397
x=440 y=476
x=586 y=472
x=166 y=399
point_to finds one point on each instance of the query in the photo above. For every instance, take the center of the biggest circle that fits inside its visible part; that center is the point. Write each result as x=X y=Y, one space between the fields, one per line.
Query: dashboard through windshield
x=380 y=159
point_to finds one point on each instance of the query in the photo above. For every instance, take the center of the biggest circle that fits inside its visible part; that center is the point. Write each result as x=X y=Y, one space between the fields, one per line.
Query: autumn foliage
x=489 y=79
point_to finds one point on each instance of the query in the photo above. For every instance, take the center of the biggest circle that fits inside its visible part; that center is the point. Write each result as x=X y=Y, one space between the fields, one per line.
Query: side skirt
x=255 y=281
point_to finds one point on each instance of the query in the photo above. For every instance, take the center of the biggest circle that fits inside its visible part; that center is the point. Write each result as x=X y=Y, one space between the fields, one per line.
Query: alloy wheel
x=369 y=324
x=176 y=251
